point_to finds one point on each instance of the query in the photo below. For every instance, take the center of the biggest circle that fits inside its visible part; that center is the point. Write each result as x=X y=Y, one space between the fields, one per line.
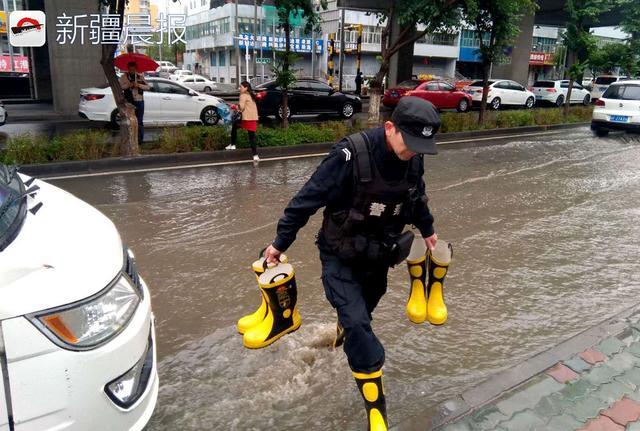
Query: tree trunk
x=375 y=94
x=285 y=69
x=567 y=102
x=485 y=92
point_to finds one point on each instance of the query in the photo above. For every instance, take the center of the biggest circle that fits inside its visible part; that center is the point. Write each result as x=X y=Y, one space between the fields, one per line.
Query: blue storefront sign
x=470 y=54
x=297 y=44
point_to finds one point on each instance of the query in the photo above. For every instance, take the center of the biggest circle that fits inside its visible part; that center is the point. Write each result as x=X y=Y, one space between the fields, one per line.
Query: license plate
x=620 y=118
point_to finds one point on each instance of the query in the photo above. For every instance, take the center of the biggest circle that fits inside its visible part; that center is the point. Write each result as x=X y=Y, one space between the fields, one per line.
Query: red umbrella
x=144 y=63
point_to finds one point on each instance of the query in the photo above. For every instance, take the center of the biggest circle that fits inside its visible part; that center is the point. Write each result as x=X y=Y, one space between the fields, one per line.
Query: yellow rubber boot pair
x=372 y=391
x=427 y=271
x=279 y=295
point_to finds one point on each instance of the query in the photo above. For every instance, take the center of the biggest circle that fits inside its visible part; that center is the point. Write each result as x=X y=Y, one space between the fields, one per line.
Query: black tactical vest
x=379 y=211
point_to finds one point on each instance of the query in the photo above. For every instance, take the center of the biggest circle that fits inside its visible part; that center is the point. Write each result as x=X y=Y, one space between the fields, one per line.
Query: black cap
x=418 y=121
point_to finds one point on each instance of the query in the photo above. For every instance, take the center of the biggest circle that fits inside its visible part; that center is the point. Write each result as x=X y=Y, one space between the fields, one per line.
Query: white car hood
x=66 y=252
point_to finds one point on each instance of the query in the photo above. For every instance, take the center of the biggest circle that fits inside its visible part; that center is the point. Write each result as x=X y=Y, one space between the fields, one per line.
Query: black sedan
x=307 y=96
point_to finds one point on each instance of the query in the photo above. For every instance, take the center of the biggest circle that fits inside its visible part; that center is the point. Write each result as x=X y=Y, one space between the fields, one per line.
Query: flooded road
x=545 y=237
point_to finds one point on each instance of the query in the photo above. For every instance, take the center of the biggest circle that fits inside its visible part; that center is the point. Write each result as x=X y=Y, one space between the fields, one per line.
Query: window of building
x=232 y=58
x=222 y=58
x=439 y=39
x=543 y=44
x=213 y=56
x=469 y=39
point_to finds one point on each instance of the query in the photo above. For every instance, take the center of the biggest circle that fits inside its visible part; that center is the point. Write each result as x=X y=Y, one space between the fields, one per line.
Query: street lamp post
x=237 y=38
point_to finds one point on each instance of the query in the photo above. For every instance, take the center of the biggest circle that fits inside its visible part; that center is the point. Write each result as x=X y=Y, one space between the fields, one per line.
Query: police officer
x=371 y=186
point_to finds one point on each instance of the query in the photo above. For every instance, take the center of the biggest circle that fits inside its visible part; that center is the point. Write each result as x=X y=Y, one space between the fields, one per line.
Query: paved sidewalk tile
x=575 y=391
x=634 y=348
x=523 y=421
x=630 y=377
x=486 y=418
x=602 y=374
x=561 y=373
x=577 y=364
x=602 y=423
x=623 y=411
x=633 y=426
x=610 y=346
x=592 y=356
x=612 y=391
x=586 y=409
x=562 y=422
x=623 y=361
x=529 y=395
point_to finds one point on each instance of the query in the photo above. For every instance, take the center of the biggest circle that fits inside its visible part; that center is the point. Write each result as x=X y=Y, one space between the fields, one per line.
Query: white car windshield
x=622 y=92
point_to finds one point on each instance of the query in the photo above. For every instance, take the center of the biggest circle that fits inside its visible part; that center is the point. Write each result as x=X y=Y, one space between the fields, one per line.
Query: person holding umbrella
x=134 y=86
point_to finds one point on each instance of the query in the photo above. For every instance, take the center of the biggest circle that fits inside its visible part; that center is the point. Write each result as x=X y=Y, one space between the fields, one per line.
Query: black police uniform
x=354 y=287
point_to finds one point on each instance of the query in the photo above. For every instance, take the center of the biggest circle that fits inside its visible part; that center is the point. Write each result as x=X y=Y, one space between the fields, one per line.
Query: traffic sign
x=264 y=60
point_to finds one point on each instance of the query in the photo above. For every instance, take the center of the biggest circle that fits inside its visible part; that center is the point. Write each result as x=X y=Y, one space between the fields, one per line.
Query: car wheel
x=347 y=110
x=207 y=89
x=115 y=117
x=280 y=110
x=602 y=132
x=495 y=104
x=209 y=116
x=560 y=101
x=587 y=100
x=463 y=105
x=530 y=102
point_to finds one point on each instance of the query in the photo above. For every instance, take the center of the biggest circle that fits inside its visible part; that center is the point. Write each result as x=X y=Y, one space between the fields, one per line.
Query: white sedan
x=78 y=341
x=179 y=74
x=166 y=103
x=618 y=108
x=3 y=114
x=198 y=83
x=502 y=92
x=555 y=92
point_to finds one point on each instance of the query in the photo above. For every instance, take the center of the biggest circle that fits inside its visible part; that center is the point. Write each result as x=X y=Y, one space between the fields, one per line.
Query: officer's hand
x=272 y=255
x=431 y=241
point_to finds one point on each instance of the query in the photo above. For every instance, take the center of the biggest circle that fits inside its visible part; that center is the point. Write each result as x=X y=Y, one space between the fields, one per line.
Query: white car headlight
x=90 y=323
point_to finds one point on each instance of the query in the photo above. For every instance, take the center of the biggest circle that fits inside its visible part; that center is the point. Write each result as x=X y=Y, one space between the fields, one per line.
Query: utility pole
x=342 y=45
x=237 y=39
x=255 y=37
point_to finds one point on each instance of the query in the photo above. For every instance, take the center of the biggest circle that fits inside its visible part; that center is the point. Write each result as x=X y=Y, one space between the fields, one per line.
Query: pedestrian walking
x=134 y=86
x=370 y=185
x=247 y=118
x=359 y=84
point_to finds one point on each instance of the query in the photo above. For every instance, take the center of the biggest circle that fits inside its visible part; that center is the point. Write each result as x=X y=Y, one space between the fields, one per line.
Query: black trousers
x=140 y=116
x=354 y=291
x=252 y=137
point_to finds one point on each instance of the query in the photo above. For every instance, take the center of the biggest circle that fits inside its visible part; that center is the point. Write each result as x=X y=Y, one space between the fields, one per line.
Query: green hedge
x=96 y=144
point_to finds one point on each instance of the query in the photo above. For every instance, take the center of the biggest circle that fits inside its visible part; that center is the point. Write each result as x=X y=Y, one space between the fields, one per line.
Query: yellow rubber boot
x=372 y=390
x=257 y=316
x=438 y=264
x=417 y=266
x=278 y=286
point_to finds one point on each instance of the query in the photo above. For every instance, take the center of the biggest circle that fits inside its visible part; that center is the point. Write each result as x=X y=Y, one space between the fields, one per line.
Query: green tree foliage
x=500 y=19
x=614 y=55
x=288 y=10
x=581 y=43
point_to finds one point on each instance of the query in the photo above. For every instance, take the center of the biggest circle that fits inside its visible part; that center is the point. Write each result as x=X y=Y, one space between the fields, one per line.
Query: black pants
x=354 y=292
x=140 y=116
x=252 y=138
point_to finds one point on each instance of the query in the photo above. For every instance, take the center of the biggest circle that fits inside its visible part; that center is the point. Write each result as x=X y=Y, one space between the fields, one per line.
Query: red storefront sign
x=20 y=64
x=541 y=58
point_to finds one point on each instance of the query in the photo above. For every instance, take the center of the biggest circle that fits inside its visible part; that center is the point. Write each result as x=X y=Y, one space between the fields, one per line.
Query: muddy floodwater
x=545 y=235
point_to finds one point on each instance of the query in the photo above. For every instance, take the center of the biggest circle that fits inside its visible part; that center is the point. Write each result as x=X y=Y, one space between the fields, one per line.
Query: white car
x=167 y=102
x=618 y=108
x=198 y=83
x=587 y=83
x=601 y=83
x=3 y=114
x=179 y=74
x=502 y=92
x=166 y=67
x=555 y=92
x=77 y=344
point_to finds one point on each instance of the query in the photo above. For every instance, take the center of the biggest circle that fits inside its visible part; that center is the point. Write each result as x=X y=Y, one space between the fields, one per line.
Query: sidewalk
x=593 y=385
x=27 y=112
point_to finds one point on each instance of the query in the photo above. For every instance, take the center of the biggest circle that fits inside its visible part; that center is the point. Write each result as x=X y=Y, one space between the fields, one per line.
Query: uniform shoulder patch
x=346 y=153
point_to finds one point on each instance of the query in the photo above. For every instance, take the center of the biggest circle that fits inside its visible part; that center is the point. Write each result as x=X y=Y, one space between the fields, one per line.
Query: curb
x=496 y=385
x=446 y=141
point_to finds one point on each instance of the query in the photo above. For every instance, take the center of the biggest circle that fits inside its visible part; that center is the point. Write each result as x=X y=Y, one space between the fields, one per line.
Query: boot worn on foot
x=417 y=266
x=372 y=390
x=438 y=264
x=278 y=285
x=246 y=322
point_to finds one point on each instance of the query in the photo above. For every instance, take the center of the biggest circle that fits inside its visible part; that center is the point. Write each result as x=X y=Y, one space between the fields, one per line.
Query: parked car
x=555 y=92
x=308 y=96
x=443 y=95
x=618 y=108
x=392 y=96
x=587 y=83
x=198 y=83
x=601 y=83
x=166 y=67
x=3 y=114
x=502 y=92
x=167 y=102
x=79 y=346
x=179 y=74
